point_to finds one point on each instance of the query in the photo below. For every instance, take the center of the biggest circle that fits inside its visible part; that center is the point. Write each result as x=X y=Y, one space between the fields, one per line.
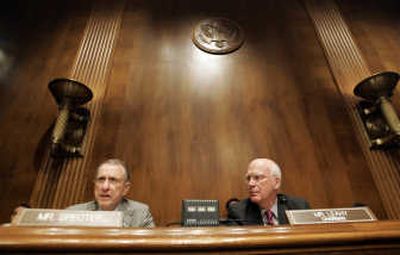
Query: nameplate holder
x=53 y=217
x=333 y=215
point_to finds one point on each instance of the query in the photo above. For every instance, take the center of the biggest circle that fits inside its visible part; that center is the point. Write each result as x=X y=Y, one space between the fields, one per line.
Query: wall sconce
x=377 y=112
x=70 y=126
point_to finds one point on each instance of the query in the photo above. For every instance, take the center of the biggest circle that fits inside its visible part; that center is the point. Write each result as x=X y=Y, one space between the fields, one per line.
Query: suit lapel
x=253 y=215
x=282 y=207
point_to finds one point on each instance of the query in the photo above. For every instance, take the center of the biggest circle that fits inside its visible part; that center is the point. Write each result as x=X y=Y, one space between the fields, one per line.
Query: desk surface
x=372 y=236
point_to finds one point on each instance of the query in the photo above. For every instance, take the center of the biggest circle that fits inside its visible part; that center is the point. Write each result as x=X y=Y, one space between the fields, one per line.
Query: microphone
x=282 y=198
x=358 y=204
x=230 y=202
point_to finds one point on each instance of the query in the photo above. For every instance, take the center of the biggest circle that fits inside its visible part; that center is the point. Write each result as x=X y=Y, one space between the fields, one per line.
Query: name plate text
x=334 y=215
x=53 y=217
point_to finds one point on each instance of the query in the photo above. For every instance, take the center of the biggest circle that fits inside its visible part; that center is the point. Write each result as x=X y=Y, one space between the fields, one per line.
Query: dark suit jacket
x=246 y=212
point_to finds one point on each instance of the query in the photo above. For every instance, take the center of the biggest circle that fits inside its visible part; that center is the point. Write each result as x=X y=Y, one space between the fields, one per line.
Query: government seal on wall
x=218 y=35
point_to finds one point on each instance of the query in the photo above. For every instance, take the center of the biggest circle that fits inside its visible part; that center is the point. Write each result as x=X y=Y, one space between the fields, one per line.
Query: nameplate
x=53 y=217
x=334 y=215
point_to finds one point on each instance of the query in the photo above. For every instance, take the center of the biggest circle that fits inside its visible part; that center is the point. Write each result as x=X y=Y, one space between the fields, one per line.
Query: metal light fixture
x=376 y=110
x=71 y=123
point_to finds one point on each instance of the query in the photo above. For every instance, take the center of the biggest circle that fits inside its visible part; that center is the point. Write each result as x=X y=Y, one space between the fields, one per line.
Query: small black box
x=200 y=213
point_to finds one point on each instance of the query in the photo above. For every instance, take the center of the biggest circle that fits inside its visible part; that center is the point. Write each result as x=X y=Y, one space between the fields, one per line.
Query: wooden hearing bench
x=379 y=237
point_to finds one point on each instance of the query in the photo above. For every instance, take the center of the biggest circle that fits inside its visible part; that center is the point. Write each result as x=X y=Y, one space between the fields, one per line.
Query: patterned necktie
x=270 y=217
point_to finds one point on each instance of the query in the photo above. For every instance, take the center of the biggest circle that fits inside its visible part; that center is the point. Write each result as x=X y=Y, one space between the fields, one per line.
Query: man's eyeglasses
x=111 y=180
x=256 y=178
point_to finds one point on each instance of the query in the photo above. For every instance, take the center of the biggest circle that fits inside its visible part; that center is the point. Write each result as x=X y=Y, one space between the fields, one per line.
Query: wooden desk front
x=381 y=237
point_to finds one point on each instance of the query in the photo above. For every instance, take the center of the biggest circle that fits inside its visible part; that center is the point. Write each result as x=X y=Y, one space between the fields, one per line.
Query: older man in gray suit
x=111 y=185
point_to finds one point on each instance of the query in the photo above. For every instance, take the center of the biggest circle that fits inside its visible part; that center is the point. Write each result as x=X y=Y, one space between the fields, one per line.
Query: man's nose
x=105 y=185
x=251 y=182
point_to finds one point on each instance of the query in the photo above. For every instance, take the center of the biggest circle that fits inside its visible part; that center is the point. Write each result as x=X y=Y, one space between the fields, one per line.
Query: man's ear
x=127 y=186
x=277 y=183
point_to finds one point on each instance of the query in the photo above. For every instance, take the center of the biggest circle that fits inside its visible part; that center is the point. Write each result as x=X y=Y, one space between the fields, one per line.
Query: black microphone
x=358 y=204
x=230 y=202
x=235 y=219
x=282 y=198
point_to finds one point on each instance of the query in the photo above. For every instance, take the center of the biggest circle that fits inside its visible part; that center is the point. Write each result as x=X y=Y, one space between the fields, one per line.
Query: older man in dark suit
x=264 y=205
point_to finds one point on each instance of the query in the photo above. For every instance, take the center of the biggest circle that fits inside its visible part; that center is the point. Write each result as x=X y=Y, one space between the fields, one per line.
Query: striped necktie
x=269 y=214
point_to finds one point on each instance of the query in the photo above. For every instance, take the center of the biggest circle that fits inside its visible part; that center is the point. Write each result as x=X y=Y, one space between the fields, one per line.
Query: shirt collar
x=274 y=209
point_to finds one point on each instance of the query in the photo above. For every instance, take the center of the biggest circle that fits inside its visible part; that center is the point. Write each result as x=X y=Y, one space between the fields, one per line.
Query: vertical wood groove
x=348 y=68
x=59 y=186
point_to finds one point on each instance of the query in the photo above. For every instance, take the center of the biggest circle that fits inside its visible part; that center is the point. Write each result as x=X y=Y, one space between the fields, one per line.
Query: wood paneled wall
x=187 y=122
x=348 y=67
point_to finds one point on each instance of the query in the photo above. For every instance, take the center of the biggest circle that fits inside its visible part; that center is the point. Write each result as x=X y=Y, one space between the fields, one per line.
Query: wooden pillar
x=348 y=67
x=61 y=182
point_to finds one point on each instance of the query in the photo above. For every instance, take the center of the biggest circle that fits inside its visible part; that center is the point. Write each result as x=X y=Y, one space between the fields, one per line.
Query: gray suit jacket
x=136 y=214
x=246 y=212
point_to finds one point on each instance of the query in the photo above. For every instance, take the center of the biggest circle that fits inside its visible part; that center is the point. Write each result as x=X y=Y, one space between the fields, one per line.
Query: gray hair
x=274 y=168
x=269 y=164
x=117 y=162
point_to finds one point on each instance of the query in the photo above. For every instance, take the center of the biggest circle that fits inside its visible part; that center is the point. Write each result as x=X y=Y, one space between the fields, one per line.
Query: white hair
x=275 y=169
x=269 y=164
